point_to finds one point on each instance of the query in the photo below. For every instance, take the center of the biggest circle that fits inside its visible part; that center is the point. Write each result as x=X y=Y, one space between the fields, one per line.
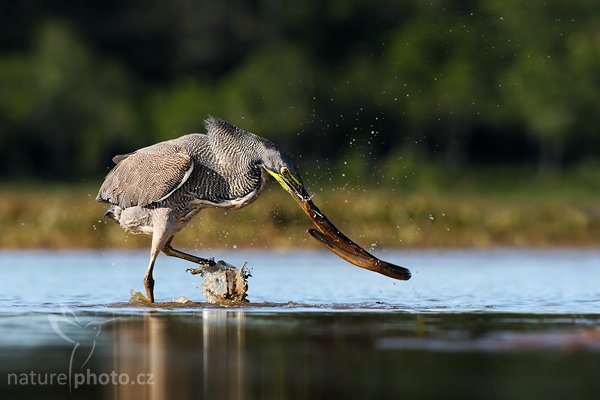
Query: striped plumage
x=158 y=189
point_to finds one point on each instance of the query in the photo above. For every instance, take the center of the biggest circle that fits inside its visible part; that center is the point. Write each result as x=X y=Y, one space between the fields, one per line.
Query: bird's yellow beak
x=331 y=237
x=291 y=184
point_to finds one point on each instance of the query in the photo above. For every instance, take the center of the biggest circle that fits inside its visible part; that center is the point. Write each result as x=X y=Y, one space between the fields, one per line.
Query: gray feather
x=145 y=177
x=217 y=168
x=118 y=158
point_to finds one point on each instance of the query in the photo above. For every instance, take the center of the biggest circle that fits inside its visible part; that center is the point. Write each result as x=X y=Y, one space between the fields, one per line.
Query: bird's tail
x=113 y=212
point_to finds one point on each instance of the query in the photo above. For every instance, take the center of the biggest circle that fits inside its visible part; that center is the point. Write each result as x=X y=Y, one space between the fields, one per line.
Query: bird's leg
x=170 y=251
x=148 y=279
x=160 y=237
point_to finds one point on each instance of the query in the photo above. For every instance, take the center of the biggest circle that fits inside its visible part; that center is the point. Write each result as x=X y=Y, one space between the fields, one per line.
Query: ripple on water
x=522 y=281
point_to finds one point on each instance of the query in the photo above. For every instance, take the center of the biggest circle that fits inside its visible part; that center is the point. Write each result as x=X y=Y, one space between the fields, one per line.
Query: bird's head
x=281 y=167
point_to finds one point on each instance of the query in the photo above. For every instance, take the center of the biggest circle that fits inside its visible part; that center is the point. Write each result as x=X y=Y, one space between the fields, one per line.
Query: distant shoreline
x=65 y=217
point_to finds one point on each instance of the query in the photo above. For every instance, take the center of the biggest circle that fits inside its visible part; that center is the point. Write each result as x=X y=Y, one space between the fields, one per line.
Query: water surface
x=469 y=324
x=541 y=281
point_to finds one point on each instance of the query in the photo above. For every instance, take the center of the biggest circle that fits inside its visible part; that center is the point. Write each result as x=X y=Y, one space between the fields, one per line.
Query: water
x=469 y=324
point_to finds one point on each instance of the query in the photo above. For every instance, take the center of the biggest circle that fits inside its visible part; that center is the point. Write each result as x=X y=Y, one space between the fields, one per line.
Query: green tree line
x=455 y=82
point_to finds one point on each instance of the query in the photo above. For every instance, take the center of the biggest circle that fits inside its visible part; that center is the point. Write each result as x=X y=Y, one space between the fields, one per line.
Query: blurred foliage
x=463 y=213
x=347 y=84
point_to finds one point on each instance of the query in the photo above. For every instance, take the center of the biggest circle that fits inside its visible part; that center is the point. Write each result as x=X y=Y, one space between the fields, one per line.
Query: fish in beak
x=330 y=236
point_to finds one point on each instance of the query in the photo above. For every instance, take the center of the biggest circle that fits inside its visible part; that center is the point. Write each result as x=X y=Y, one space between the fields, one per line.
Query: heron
x=157 y=190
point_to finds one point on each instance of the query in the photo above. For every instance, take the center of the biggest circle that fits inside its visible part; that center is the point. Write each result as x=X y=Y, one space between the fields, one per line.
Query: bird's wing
x=146 y=176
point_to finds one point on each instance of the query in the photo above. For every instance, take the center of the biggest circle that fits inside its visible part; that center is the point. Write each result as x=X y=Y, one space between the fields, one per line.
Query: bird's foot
x=138 y=298
x=195 y=271
x=209 y=263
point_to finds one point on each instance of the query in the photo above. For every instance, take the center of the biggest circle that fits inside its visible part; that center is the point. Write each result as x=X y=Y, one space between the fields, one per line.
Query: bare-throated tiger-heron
x=159 y=189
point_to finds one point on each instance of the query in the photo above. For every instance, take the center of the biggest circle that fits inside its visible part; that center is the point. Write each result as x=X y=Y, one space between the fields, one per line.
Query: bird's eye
x=285 y=171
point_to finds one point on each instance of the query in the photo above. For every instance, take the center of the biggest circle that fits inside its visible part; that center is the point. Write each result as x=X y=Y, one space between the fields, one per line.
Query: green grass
x=429 y=209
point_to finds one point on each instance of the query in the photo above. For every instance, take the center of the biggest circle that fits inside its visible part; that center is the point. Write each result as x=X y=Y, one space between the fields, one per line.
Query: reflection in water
x=218 y=353
x=170 y=359
x=223 y=350
x=233 y=354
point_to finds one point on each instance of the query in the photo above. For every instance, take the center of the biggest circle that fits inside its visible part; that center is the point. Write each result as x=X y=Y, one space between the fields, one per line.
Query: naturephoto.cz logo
x=83 y=337
x=78 y=379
